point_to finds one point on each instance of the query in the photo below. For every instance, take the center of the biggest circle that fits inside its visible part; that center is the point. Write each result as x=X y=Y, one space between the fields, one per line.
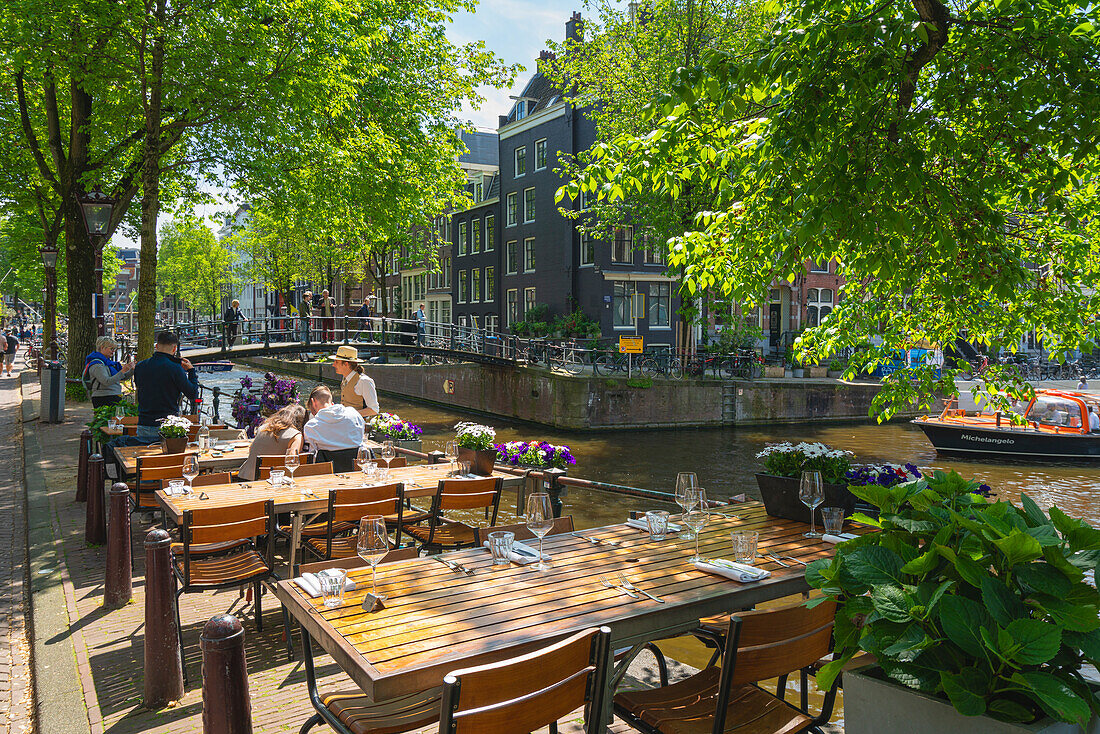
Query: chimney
x=502 y=120
x=574 y=27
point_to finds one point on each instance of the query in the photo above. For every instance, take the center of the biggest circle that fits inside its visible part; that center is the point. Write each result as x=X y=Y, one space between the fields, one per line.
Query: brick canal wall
x=600 y=403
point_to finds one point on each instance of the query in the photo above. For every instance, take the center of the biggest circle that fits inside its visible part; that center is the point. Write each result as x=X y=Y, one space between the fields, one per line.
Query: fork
x=627 y=585
x=595 y=541
x=616 y=587
x=772 y=557
x=456 y=567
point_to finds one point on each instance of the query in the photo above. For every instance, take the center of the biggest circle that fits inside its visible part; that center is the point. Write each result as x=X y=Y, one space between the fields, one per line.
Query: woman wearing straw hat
x=357 y=389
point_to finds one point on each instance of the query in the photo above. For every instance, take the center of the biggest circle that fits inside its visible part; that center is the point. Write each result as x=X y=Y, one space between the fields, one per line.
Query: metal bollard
x=163 y=658
x=554 y=488
x=118 y=587
x=82 y=465
x=436 y=457
x=95 y=521
x=226 y=706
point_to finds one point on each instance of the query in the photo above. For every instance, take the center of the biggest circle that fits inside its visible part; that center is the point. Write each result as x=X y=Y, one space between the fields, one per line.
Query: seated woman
x=278 y=435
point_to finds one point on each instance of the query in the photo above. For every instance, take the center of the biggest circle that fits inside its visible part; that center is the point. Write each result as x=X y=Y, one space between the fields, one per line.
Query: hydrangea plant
x=791 y=459
x=538 y=454
x=175 y=426
x=475 y=436
x=392 y=426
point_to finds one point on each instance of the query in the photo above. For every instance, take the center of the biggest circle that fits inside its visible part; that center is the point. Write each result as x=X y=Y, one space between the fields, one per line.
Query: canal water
x=725 y=459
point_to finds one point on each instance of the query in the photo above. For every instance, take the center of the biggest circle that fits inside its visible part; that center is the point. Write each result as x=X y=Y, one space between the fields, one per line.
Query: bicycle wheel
x=604 y=365
x=727 y=369
x=649 y=367
x=675 y=371
x=572 y=365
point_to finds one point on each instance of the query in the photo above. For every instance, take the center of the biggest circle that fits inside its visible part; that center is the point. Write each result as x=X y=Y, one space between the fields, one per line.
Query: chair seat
x=448 y=534
x=361 y=715
x=409 y=517
x=343 y=546
x=144 y=500
x=318 y=529
x=687 y=707
x=220 y=570
x=206 y=549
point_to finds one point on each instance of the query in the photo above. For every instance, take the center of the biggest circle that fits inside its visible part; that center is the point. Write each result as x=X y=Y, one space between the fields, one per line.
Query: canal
x=725 y=459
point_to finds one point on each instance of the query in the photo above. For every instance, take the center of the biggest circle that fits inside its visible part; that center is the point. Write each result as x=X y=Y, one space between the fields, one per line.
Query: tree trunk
x=150 y=194
x=79 y=261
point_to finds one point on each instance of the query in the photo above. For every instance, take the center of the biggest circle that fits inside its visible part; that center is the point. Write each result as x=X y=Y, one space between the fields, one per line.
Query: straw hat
x=347 y=353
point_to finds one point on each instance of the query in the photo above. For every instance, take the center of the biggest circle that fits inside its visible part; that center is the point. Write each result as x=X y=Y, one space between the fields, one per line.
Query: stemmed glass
x=372 y=545
x=388 y=451
x=697 y=517
x=190 y=470
x=686 y=483
x=812 y=494
x=291 y=461
x=540 y=521
x=120 y=413
x=362 y=459
x=450 y=450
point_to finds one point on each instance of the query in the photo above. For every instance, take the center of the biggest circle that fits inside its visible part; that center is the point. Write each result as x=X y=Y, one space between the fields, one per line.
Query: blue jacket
x=160 y=381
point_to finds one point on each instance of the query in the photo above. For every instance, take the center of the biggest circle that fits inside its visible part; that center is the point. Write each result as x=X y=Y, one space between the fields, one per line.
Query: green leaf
x=1033 y=511
x=1038 y=641
x=1087 y=642
x=1000 y=601
x=874 y=565
x=922 y=564
x=961 y=619
x=1005 y=709
x=1019 y=547
x=1042 y=577
x=960 y=690
x=907 y=644
x=1071 y=615
x=890 y=602
x=1056 y=698
x=970 y=571
x=830 y=670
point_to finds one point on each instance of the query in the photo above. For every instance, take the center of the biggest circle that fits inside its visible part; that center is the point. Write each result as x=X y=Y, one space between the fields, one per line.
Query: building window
x=492 y=323
x=529 y=255
x=490 y=285
x=513 y=307
x=528 y=300
x=461 y=239
x=588 y=250
x=512 y=209
x=475 y=281
x=490 y=232
x=447 y=229
x=621 y=300
x=445 y=311
x=659 y=300
x=540 y=154
x=654 y=252
x=447 y=272
x=816 y=267
x=462 y=283
x=521 y=161
x=510 y=263
x=528 y=205
x=622 y=247
x=820 y=304
x=475 y=225
x=433 y=311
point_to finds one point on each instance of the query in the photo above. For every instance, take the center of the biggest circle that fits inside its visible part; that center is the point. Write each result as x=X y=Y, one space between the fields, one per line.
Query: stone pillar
x=82 y=465
x=226 y=706
x=163 y=659
x=95 y=520
x=118 y=584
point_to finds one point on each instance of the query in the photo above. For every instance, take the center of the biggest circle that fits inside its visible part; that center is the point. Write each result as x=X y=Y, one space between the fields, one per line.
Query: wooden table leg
x=295 y=538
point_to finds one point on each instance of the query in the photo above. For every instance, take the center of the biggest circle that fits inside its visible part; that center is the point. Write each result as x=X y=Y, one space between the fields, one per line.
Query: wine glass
x=540 y=521
x=190 y=470
x=292 y=461
x=686 y=481
x=450 y=450
x=388 y=451
x=812 y=494
x=697 y=517
x=120 y=413
x=372 y=545
x=362 y=458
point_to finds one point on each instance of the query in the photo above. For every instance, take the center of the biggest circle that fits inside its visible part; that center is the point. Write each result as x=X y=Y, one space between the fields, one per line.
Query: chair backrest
x=227 y=524
x=395 y=463
x=276 y=460
x=531 y=691
x=128 y=420
x=305 y=470
x=468 y=494
x=193 y=431
x=522 y=532
x=152 y=473
x=209 y=480
x=229 y=434
x=351 y=504
x=397 y=554
x=154 y=461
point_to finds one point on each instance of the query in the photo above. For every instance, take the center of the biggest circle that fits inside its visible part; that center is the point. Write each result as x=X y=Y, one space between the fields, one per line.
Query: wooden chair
x=229 y=434
x=305 y=470
x=277 y=461
x=193 y=431
x=345 y=507
x=129 y=425
x=198 y=572
x=457 y=494
x=396 y=462
x=209 y=480
x=353 y=562
x=152 y=473
x=531 y=691
x=758 y=646
x=522 y=532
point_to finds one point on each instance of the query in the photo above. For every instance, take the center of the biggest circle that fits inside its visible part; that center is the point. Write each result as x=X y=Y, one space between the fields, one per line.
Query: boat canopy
x=1059 y=411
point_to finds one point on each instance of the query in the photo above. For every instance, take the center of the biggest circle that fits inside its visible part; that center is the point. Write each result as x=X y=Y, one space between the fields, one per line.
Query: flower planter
x=788 y=372
x=482 y=462
x=780 y=496
x=873 y=704
x=835 y=374
x=773 y=371
x=817 y=371
x=798 y=372
x=173 y=445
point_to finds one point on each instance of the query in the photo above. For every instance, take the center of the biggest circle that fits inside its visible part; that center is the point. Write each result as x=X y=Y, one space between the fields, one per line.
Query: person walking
x=161 y=380
x=103 y=376
x=12 y=344
x=335 y=431
x=328 y=316
x=279 y=435
x=233 y=317
x=1083 y=384
x=357 y=389
x=421 y=326
x=305 y=311
x=364 y=315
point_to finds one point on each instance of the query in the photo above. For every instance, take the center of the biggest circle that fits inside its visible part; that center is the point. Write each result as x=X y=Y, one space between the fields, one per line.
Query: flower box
x=780 y=495
x=482 y=461
x=773 y=370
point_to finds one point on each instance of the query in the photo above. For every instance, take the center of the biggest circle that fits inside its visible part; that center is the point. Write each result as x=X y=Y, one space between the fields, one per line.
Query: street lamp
x=49 y=260
x=97 y=207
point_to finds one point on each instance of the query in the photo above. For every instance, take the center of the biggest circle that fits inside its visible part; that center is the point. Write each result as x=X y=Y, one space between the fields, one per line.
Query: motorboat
x=1052 y=425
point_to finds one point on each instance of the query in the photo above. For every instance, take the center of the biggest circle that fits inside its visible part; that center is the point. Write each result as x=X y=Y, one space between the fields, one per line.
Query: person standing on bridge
x=357 y=389
x=305 y=310
x=233 y=317
x=328 y=316
x=421 y=326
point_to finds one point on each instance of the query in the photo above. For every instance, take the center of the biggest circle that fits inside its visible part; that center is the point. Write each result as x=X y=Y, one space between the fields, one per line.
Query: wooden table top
x=437 y=620
x=231 y=459
x=420 y=481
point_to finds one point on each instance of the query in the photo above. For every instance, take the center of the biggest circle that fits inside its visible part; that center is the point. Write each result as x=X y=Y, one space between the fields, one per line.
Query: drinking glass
x=450 y=450
x=657 y=522
x=120 y=413
x=696 y=520
x=388 y=451
x=686 y=482
x=372 y=545
x=332 y=586
x=278 y=476
x=176 y=488
x=362 y=458
x=834 y=519
x=540 y=521
x=190 y=470
x=291 y=461
x=500 y=543
x=745 y=545
x=811 y=494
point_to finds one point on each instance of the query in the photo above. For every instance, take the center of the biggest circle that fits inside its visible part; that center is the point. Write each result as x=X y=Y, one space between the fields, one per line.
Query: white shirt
x=335 y=427
x=365 y=389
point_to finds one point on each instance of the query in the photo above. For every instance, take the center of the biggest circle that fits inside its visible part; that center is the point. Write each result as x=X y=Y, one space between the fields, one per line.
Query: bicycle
x=564 y=357
x=662 y=365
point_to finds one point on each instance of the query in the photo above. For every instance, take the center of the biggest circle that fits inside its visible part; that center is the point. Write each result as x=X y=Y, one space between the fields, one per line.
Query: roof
x=483 y=148
x=539 y=94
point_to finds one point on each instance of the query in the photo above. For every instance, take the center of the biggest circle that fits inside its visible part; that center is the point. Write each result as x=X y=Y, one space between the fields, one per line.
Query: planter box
x=873 y=705
x=482 y=463
x=817 y=371
x=780 y=496
x=835 y=374
x=798 y=372
x=773 y=371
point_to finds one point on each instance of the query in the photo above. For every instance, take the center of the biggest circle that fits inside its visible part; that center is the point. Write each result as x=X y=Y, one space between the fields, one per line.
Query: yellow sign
x=449 y=387
x=630 y=345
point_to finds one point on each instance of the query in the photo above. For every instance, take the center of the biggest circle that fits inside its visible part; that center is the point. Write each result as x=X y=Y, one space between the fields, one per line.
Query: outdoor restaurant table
x=420 y=481
x=436 y=621
x=229 y=460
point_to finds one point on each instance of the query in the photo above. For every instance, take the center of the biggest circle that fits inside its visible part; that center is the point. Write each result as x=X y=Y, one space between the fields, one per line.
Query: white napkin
x=528 y=554
x=732 y=570
x=312 y=585
x=838 y=538
x=641 y=524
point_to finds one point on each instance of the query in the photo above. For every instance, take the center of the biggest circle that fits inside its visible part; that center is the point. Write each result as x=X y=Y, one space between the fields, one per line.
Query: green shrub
x=836 y=365
x=75 y=393
x=640 y=382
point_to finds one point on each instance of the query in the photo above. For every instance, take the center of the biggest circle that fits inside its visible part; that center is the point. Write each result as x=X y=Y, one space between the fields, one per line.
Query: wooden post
x=226 y=706
x=118 y=585
x=163 y=657
x=554 y=488
x=82 y=465
x=95 y=521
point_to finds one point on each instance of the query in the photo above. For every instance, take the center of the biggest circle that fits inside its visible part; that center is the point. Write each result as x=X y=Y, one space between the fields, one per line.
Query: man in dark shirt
x=161 y=380
x=12 y=344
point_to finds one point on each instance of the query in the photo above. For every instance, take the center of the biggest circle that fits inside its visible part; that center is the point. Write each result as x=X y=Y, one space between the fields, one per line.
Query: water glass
x=745 y=545
x=464 y=468
x=176 y=488
x=834 y=519
x=190 y=469
x=500 y=543
x=657 y=522
x=811 y=493
x=278 y=476
x=291 y=461
x=332 y=586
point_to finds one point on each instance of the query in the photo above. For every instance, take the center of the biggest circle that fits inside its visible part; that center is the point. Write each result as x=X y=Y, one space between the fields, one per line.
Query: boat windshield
x=1049 y=410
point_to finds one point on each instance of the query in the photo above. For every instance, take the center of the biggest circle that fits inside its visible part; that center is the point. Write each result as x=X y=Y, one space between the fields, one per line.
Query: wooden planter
x=817 y=371
x=174 y=445
x=771 y=370
x=834 y=373
x=482 y=462
x=780 y=495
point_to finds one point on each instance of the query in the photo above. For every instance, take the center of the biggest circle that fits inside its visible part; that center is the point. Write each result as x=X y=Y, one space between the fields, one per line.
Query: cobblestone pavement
x=16 y=696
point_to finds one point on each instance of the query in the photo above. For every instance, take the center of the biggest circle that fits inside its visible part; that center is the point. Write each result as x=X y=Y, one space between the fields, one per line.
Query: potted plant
x=535 y=454
x=475 y=445
x=978 y=613
x=173 y=433
x=102 y=415
x=783 y=467
x=836 y=368
x=389 y=426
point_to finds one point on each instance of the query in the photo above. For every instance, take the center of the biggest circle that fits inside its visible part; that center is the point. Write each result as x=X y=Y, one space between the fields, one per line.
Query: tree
x=194 y=265
x=944 y=154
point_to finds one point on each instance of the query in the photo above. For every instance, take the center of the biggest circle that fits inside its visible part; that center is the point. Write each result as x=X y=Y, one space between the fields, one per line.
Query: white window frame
x=490 y=284
x=476 y=233
x=587 y=256
x=529 y=262
x=654 y=300
x=531 y=191
x=628 y=243
x=540 y=143
x=475 y=285
x=530 y=299
x=490 y=232
x=511 y=257
x=463 y=231
x=511 y=299
x=463 y=285
x=519 y=154
x=511 y=209
x=814 y=268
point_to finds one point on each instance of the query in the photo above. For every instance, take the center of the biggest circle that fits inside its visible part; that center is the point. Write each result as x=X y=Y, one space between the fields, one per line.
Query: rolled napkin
x=732 y=570
x=838 y=538
x=521 y=553
x=310 y=584
x=641 y=524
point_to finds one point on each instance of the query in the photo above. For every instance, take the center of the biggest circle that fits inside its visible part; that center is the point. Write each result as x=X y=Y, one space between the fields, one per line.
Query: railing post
x=225 y=336
x=308 y=327
x=118 y=586
x=95 y=523
x=163 y=658
x=554 y=488
x=217 y=404
x=82 y=465
x=345 y=326
x=267 y=332
x=436 y=457
x=226 y=706
x=383 y=330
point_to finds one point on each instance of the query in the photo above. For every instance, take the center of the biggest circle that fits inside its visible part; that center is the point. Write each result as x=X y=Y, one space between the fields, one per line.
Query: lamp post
x=49 y=328
x=97 y=207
